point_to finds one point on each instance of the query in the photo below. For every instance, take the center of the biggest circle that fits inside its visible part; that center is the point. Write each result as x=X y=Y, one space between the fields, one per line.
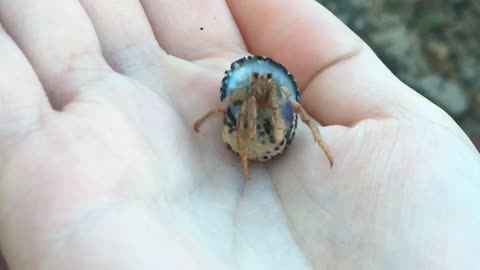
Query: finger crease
x=355 y=52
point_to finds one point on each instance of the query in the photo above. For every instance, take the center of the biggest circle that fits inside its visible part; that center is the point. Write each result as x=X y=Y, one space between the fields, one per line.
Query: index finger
x=341 y=79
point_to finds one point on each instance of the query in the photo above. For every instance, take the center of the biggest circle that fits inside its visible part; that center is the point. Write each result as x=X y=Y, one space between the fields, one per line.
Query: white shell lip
x=240 y=74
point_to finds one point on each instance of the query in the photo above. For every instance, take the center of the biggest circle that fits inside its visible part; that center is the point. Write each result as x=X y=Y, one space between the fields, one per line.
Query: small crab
x=260 y=103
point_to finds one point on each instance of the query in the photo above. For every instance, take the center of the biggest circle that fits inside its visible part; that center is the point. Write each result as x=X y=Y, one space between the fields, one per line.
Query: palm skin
x=117 y=179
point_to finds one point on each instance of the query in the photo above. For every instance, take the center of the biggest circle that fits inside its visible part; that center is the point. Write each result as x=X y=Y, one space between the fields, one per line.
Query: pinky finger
x=22 y=99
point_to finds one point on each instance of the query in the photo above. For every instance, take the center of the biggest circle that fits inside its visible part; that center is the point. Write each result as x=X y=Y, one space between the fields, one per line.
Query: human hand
x=107 y=173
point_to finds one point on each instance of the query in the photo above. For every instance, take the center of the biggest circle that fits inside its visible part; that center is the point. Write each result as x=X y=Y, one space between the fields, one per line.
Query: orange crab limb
x=277 y=122
x=278 y=125
x=314 y=129
x=207 y=117
x=237 y=95
x=242 y=150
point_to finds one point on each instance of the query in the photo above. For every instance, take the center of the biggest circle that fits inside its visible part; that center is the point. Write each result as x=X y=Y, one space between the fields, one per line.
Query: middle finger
x=195 y=30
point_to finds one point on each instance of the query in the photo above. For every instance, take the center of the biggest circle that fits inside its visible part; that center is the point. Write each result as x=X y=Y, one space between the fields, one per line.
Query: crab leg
x=314 y=129
x=242 y=150
x=237 y=95
x=252 y=117
x=278 y=126
x=278 y=123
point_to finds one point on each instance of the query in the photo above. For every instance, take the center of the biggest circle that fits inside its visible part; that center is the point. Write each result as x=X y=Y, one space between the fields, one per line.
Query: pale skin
x=100 y=168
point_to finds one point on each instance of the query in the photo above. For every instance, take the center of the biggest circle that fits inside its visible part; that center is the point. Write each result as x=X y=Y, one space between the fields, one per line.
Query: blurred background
x=433 y=46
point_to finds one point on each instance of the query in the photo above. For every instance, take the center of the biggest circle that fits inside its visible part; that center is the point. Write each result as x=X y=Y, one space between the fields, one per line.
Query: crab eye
x=257 y=70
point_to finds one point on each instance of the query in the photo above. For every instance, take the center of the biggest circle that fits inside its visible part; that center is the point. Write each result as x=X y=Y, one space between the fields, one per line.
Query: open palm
x=100 y=167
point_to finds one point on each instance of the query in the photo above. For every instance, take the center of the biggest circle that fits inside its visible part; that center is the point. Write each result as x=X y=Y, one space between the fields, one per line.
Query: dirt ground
x=433 y=46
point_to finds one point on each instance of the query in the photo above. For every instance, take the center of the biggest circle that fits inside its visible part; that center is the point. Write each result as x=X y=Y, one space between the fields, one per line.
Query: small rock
x=469 y=67
x=476 y=142
x=472 y=127
x=476 y=105
x=438 y=50
x=445 y=93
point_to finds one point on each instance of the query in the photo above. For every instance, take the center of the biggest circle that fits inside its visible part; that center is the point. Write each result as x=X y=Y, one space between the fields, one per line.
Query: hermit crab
x=260 y=103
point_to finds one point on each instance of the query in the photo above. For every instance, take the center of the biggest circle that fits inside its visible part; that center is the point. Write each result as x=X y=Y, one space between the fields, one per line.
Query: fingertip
x=301 y=35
